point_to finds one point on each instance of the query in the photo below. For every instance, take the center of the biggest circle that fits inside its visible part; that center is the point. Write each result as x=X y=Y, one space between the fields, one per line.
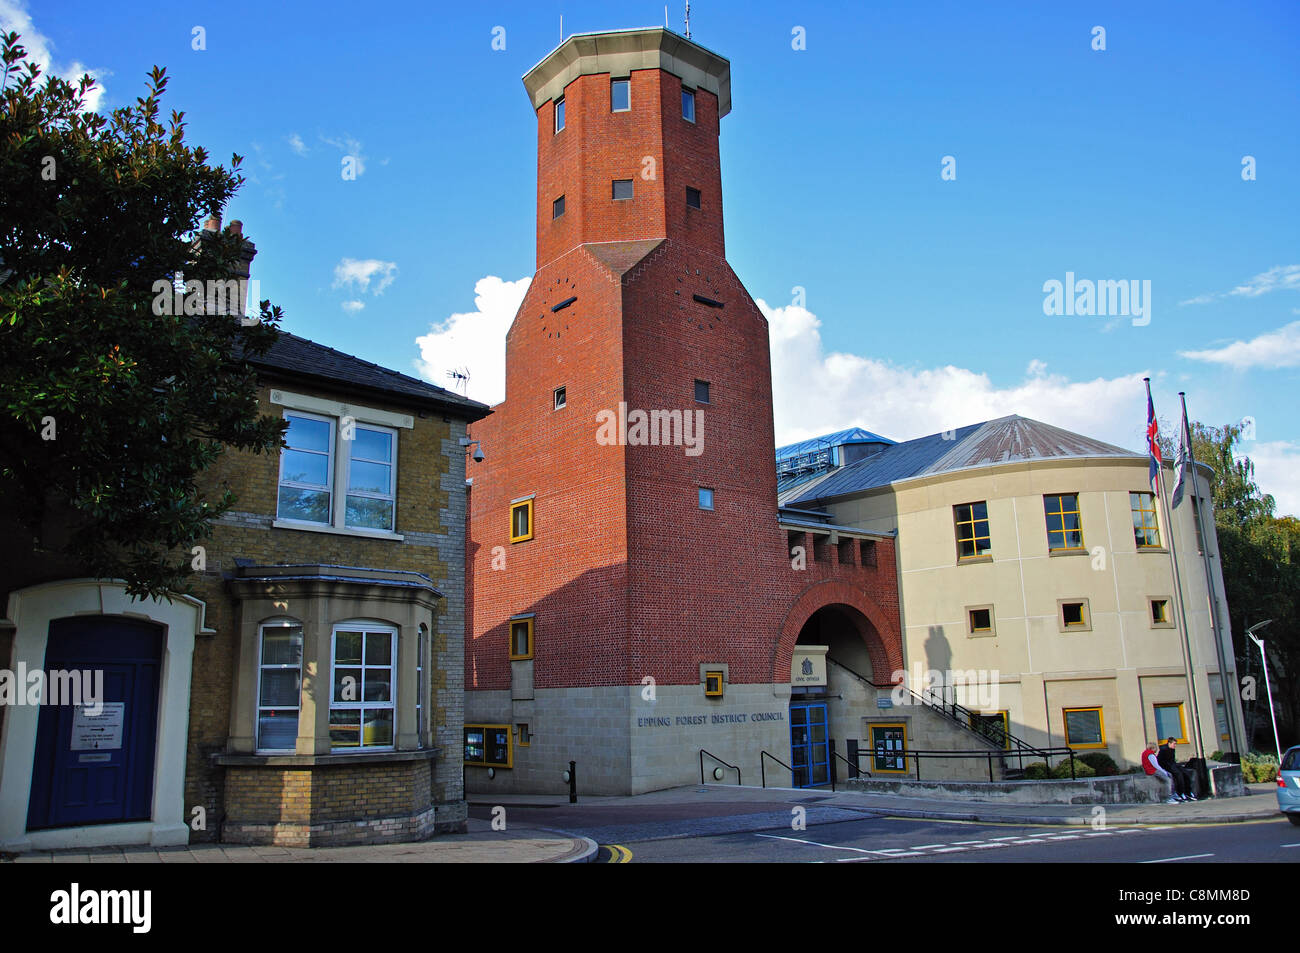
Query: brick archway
x=879 y=631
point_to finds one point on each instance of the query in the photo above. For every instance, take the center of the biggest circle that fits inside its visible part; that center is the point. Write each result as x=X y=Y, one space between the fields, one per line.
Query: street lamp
x=1271 y=714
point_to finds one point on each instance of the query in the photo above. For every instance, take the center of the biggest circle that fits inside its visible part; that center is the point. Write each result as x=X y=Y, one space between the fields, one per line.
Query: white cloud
x=350 y=148
x=296 y=143
x=816 y=393
x=353 y=307
x=15 y=18
x=1277 y=471
x=1280 y=348
x=474 y=340
x=1277 y=277
x=352 y=272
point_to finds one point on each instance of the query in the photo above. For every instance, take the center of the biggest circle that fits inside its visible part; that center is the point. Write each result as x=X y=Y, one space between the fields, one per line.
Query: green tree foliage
x=1260 y=555
x=110 y=411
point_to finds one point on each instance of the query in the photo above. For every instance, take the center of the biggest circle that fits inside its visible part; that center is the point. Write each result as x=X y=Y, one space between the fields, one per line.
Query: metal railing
x=762 y=767
x=721 y=762
x=1004 y=742
x=917 y=755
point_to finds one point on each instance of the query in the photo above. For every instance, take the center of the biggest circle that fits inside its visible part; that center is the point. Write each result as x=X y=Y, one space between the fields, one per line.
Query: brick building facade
x=636 y=595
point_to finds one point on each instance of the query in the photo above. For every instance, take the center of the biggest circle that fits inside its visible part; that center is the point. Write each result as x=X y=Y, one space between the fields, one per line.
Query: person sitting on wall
x=1182 y=776
x=1151 y=765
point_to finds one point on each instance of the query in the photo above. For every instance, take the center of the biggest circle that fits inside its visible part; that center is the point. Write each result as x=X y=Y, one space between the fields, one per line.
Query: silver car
x=1288 y=785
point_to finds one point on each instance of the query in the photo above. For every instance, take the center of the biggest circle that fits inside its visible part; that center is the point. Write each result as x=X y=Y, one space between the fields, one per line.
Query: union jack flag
x=1153 y=447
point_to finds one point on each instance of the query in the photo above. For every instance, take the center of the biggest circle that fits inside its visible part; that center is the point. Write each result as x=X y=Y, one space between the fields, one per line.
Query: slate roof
x=297 y=358
x=1004 y=440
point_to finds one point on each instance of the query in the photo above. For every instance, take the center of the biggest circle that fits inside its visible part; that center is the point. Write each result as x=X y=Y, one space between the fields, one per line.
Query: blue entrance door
x=96 y=767
x=808 y=744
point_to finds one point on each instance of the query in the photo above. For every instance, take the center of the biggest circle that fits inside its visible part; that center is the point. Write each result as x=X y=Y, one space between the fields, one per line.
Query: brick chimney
x=229 y=299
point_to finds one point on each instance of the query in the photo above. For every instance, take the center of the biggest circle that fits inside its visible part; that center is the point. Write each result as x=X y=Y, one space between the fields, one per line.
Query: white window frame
x=261 y=667
x=560 y=114
x=688 y=92
x=365 y=627
x=331 y=463
x=341 y=513
x=340 y=463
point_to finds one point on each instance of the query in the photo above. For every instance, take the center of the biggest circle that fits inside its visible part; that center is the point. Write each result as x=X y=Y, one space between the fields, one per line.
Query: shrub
x=1102 y=764
x=1037 y=771
x=1216 y=755
x=1258 y=768
x=1081 y=769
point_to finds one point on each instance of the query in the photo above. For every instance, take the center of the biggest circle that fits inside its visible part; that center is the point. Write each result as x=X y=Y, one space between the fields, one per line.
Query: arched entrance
x=841 y=667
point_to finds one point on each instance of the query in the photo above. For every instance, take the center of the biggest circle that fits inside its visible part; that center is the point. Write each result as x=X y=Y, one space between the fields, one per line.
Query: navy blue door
x=97 y=768
x=809 y=746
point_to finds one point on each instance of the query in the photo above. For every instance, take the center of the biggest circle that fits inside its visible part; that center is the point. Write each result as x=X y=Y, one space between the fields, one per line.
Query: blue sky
x=923 y=297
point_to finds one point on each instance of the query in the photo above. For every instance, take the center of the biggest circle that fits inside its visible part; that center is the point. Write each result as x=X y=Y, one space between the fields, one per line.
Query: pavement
x=570 y=833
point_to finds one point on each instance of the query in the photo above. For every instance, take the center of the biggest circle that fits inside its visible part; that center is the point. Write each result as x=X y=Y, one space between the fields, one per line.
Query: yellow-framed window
x=889 y=748
x=972 y=523
x=713 y=684
x=521 y=520
x=1084 y=727
x=1160 y=612
x=521 y=638
x=980 y=619
x=489 y=746
x=1170 y=722
x=1146 y=528
x=1064 y=528
x=994 y=725
x=525 y=736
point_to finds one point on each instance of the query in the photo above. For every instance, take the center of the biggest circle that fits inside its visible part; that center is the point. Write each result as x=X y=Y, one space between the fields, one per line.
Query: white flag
x=1180 y=463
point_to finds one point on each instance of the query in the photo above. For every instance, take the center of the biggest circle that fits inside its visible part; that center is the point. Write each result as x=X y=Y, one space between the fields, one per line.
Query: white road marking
x=1166 y=860
x=1066 y=837
x=813 y=843
x=1291 y=845
x=1012 y=837
x=925 y=846
x=948 y=850
x=968 y=842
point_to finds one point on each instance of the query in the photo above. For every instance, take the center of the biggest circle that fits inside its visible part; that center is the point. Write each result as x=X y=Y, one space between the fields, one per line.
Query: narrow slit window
x=620 y=95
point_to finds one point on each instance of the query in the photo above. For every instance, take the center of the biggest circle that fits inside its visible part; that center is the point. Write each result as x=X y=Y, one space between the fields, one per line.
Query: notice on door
x=98 y=732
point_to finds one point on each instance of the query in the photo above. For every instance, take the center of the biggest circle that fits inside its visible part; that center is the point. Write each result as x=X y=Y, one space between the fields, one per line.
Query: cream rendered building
x=1034 y=566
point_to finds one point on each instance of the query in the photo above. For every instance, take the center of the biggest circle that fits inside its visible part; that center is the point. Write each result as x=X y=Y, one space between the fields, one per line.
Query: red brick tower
x=654 y=550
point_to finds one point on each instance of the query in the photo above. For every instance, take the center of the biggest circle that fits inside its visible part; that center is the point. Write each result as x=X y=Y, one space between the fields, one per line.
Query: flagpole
x=1163 y=496
x=1235 y=735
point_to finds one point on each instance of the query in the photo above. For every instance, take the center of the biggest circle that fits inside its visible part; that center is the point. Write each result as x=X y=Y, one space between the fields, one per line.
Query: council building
x=1038 y=584
x=638 y=604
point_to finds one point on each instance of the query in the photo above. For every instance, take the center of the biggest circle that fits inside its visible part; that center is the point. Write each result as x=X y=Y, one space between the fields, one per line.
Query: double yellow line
x=618 y=854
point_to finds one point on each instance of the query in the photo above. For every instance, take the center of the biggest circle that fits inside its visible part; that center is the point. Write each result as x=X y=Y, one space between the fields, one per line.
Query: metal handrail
x=917 y=754
x=857 y=768
x=762 y=766
x=1018 y=747
x=721 y=762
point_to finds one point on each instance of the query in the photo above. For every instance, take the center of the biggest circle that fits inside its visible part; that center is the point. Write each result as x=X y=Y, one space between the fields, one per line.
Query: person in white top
x=1151 y=764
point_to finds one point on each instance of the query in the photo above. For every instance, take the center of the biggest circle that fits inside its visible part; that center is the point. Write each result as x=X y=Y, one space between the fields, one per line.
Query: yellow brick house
x=309 y=690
